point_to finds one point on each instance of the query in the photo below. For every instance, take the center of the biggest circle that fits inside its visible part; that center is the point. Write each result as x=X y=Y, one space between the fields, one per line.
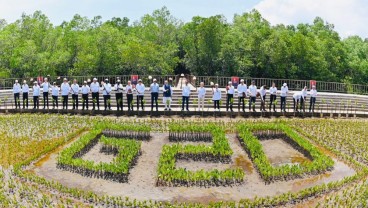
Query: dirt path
x=143 y=177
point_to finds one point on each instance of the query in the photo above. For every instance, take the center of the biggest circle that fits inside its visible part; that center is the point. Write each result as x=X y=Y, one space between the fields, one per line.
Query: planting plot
x=249 y=136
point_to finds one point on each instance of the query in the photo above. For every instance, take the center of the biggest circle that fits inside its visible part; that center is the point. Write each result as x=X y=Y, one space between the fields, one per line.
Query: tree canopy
x=159 y=43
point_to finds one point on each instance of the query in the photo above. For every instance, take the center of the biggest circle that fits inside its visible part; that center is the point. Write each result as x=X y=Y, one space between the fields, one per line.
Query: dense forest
x=159 y=43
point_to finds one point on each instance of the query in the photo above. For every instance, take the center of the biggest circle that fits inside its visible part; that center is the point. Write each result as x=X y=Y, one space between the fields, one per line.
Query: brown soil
x=143 y=176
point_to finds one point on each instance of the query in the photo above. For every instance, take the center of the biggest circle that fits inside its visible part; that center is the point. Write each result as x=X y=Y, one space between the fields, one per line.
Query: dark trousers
x=130 y=99
x=252 y=102
x=119 y=100
x=216 y=104
x=154 y=98
x=140 y=100
x=65 y=101
x=272 y=102
x=55 y=101
x=263 y=103
x=296 y=103
x=75 y=101
x=25 y=99
x=36 y=102
x=312 y=102
x=229 y=102
x=96 y=99
x=241 y=101
x=185 y=101
x=45 y=99
x=85 y=101
x=16 y=100
x=107 y=101
x=302 y=104
x=283 y=103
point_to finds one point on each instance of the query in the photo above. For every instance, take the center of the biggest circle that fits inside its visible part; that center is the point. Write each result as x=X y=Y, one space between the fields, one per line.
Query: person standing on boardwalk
x=129 y=93
x=85 y=91
x=216 y=97
x=106 y=90
x=95 y=89
x=16 y=91
x=65 y=90
x=201 y=96
x=25 y=90
x=155 y=88
x=312 y=102
x=167 y=89
x=242 y=94
x=253 y=96
x=140 y=89
x=55 y=96
x=273 y=93
x=229 y=96
x=45 y=89
x=283 y=95
x=185 y=96
x=118 y=87
x=36 y=95
x=75 y=93
x=262 y=93
x=303 y=99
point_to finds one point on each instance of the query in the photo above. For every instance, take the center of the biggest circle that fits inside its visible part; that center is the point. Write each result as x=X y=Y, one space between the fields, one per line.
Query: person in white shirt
x=242 y=94
x=118 y=87
x=283 y=95
x=313 y=94
x=45 y=88
x=95 y=89
x=262 y=93
x=65 y=90
x=155 y=88
x=75 y=91
x=140 y=88
x=16 y=91
x=273 y=93
x=106 y=90
x=25 y=90
x=304 y=98
x=201 y=95
x=85 y=91
x=36 y=95
x=296 y=98
x=229 y=96
x=129 y=94
x=216 y=97
x=166 y=88
x=55 y=96
x=185 y=96
x=253 y=96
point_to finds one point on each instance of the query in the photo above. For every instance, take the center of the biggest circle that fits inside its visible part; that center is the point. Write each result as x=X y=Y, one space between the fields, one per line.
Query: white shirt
x=273 y=90
x=201 y=92
x=231 y=90
x=140 y=89
x=17 y=88
x=75 y=89
x=45 y=86
x=313 y=93
x=297 y=95
x=216 y=94
x=304 y=93
x=85 y=89
x=242 y=88
x=284 y=91
x=65 y=89
x=155 y=87
x=25 y=88
x=127 y=88
x=118 y=88
x=95 y=87
x=106 y=89
x=55 y=90
x=253 y=91
x=262 y=91
x=36 y=90
x=186 y=90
